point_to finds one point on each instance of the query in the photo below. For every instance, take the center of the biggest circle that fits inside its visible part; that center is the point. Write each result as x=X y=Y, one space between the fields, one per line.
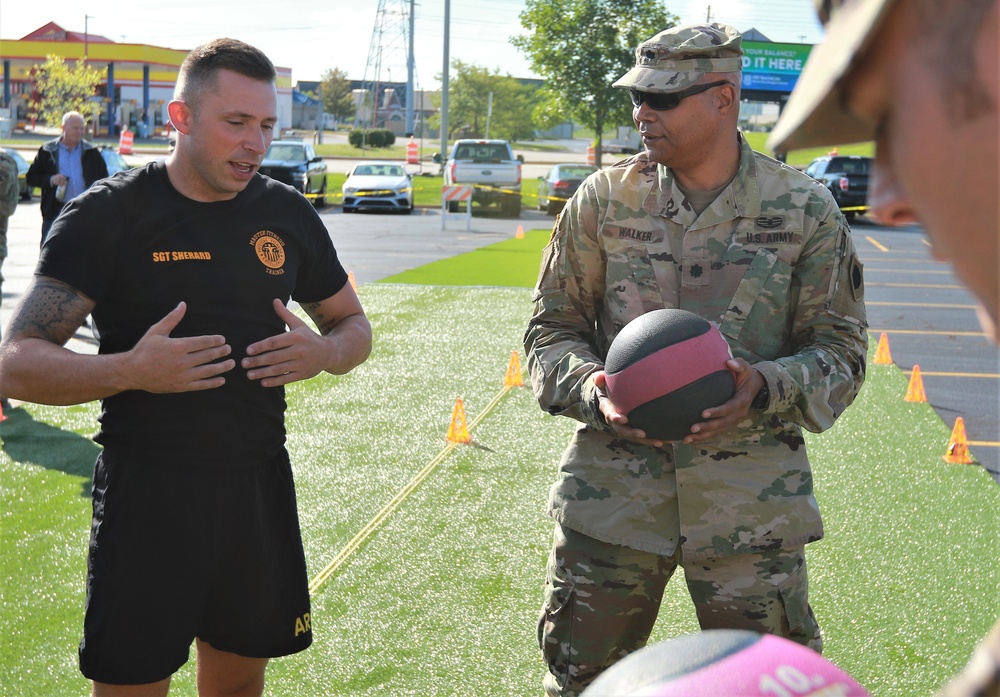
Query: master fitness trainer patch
x=270 y=250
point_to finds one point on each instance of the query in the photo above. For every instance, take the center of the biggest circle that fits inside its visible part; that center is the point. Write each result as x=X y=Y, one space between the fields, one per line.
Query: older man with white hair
x=64 y=168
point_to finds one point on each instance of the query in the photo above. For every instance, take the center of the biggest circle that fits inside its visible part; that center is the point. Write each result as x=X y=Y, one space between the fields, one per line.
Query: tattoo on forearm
x=324 y=324
x=50 y=310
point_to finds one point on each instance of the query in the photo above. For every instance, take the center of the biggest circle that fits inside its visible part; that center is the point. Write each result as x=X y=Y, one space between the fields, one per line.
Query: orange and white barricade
x=453 y=195
x=125 y=142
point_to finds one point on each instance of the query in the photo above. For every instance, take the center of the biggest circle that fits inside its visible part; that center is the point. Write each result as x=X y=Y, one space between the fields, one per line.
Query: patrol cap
x=677 y=58
x=816 y=113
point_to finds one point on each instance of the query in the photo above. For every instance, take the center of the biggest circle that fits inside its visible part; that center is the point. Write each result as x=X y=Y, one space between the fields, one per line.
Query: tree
x=337 y=97
x=513 y=104
x=469 y=101
x=580 y=47
x=59 y=88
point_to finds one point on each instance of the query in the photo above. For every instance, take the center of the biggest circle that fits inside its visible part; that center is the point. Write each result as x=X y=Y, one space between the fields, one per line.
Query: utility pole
x=489 y=113
x=708 y=15
x=409 y=75
x=322 y=113
x=444 y=83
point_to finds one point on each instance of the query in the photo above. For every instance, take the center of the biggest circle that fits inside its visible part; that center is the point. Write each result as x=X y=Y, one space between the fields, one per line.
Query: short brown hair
x=201 y=65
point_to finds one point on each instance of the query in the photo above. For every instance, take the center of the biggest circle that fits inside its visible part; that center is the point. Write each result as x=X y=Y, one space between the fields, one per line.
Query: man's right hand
x=617 y=421
x=160 y=363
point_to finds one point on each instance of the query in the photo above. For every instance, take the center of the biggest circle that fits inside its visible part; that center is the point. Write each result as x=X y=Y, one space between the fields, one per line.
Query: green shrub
x=372 y=137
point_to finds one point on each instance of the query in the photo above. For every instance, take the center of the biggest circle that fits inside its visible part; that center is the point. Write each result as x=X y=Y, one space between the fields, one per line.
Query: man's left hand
x=298 y=354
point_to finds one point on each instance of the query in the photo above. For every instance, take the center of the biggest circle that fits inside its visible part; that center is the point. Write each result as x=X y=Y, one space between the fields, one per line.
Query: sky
x=312 y=36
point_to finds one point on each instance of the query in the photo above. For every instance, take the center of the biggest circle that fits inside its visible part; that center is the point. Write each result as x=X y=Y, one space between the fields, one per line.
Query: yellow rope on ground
x=397 y=500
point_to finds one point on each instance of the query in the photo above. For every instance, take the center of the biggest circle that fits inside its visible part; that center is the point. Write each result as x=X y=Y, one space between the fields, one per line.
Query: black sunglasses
x=664 y=102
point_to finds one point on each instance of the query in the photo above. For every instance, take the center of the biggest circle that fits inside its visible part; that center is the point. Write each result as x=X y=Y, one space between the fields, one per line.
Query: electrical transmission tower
x=390 y=66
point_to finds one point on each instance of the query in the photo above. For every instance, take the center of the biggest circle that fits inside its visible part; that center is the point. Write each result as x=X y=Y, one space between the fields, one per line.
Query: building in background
x=137 y=79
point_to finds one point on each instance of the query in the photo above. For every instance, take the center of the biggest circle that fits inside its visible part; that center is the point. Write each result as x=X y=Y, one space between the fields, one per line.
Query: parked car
x=846 y=176
x=383 y=186
x=296 y=163
x=22 y=175
x=114 y=160
x=555 y=188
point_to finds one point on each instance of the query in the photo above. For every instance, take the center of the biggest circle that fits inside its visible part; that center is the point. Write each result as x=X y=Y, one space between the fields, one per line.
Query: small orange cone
x=520 y=232
x=350 y=277
x=882 y=354
x=458 y=432
x=513 y=377
x=915 y=390
x=958 y=446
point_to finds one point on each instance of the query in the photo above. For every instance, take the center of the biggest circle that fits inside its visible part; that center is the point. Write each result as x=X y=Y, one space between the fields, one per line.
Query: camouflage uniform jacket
x=9 y=194
x=771 y=261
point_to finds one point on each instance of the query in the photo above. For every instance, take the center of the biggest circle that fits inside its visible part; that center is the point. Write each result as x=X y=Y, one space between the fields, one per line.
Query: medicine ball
x=665 y=368
x=724 y=663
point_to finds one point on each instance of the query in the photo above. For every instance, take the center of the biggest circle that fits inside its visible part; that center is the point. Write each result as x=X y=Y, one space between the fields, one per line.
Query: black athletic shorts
x=179 y=551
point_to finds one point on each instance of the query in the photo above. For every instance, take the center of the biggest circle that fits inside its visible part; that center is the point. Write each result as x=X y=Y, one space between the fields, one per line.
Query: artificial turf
x=442 y=597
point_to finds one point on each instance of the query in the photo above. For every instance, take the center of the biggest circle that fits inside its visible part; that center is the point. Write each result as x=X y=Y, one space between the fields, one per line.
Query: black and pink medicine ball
x=725 y=663
x=665 y=368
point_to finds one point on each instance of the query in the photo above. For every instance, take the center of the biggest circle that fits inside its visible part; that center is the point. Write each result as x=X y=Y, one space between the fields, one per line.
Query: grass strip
x=512 y=263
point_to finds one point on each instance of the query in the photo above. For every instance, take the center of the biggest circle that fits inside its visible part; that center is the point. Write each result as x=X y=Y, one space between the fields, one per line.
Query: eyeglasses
x=665 y=102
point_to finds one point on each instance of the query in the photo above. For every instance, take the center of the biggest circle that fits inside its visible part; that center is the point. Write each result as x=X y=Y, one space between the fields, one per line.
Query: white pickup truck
x=626 y=141
x=489 y=166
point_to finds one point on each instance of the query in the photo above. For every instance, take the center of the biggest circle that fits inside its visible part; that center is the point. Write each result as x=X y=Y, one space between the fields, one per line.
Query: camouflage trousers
x=601 y=601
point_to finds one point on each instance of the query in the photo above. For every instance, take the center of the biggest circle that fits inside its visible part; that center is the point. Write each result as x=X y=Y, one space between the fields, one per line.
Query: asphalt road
x=928 y=317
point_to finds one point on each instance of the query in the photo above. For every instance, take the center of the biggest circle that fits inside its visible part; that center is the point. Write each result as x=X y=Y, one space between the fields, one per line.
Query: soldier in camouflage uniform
x=701 y=222
x=895 y=72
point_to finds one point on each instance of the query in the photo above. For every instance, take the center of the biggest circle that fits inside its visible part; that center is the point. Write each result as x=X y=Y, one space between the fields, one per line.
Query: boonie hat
x=677 y=58
x=816 y=113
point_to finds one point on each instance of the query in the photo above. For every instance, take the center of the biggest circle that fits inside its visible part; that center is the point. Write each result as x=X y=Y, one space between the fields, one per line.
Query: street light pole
x=86 y=35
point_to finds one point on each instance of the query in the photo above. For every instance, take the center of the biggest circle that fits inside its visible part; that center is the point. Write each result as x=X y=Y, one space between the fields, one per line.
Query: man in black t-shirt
x=187 y=266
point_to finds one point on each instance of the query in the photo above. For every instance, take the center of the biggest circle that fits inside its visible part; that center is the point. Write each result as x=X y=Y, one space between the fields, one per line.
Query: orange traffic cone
x=915 y=390
x=958 y=446
x=520 y=232
x=882 y=354
x=350 y=277
x=513 y=377
x=458 y=431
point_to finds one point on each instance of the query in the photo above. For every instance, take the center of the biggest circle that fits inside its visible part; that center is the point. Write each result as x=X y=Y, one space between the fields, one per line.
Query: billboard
x=773 y=67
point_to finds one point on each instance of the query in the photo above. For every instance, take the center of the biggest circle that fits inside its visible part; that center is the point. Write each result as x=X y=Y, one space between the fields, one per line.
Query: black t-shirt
x=138 y=247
